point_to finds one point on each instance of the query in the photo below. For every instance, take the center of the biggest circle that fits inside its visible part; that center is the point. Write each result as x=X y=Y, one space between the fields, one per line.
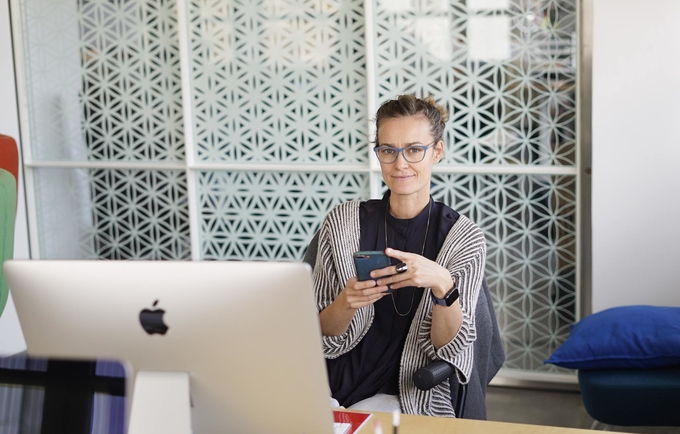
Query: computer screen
x=246 y=332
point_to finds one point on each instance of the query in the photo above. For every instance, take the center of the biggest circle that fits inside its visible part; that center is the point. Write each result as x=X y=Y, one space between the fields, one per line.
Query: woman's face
x=402 y=177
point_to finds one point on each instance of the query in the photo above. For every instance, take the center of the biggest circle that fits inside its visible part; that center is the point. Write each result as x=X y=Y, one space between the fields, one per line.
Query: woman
x=375 y=339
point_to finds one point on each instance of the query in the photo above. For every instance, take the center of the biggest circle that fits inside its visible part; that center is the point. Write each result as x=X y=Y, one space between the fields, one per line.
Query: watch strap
x=448 y=299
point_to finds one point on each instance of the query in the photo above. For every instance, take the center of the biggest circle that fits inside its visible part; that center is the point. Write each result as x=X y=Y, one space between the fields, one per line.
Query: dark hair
x=410 y=105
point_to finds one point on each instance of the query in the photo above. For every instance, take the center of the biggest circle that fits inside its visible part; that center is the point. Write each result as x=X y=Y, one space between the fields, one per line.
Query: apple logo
x=152 y=320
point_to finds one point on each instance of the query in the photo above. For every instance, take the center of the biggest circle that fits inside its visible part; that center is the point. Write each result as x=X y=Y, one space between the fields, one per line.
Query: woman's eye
x=387 y=151
x=414 y=150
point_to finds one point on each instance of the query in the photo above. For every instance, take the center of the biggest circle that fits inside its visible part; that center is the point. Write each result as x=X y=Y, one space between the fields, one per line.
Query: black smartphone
x=367 y=261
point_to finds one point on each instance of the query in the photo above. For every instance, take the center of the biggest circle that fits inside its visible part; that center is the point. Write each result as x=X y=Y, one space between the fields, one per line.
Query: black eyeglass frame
x=401 y=151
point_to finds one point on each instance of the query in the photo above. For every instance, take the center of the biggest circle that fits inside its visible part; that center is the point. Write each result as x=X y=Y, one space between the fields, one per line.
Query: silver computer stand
x=161 y=403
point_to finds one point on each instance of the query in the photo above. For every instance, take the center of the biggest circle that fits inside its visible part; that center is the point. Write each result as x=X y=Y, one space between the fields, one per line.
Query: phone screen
x=367 y=261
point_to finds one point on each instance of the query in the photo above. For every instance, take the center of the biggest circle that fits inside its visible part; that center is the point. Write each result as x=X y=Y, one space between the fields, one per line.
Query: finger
x=377 y=289
x=402 y=256
x=381 y=272
x=397 y=285
x=364 y=300
x=363 y=303
x=398 y=281
x=401 y=267
x=379 y=296
x=393 y=278
x=351 y=282
x=389 y=271
x=364 y=284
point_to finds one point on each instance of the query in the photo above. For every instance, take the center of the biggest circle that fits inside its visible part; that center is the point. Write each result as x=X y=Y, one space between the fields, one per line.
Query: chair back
x=488 y=359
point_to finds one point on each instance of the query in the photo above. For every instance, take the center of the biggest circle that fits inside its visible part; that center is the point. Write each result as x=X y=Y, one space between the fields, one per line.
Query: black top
x=373 y=365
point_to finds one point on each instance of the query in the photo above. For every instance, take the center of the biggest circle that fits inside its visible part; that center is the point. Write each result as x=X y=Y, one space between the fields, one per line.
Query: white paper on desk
x=342 y=428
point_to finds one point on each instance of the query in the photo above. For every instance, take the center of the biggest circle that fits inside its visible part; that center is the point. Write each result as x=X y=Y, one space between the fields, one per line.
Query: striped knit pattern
x=463 y=254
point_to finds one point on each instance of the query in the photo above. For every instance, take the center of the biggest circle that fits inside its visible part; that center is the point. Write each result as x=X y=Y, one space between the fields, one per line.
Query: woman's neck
x=407 y=207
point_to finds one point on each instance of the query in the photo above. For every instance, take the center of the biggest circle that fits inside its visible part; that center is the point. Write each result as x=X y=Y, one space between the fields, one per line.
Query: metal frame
x=189 y=138
x=535 y=380
x=375 y=175
x=24 y=130
x=584 y=128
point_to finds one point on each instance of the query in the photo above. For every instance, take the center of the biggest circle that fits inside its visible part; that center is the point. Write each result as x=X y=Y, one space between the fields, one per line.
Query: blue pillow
x=623 y=337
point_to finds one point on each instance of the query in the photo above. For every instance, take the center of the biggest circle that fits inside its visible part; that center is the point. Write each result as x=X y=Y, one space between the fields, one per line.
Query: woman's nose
x=401 y=160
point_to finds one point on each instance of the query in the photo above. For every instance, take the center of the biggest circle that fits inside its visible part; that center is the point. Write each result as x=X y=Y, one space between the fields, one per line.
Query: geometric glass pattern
x=283 y=86
x=105 y=84
x=114 y=214
x=279 y=81
x=530 y=226
x=268 y=216
x=132 y=110
x=506 y=70
x=131 y=82
x=104 y=80
x=507 y=74
x=140 y=214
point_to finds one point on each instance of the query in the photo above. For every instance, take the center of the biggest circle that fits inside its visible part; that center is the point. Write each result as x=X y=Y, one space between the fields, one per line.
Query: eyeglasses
x=412 y=153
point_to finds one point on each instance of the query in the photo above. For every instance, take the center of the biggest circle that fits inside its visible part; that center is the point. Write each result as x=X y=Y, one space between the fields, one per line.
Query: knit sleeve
x=464 y=255
x=338 y=239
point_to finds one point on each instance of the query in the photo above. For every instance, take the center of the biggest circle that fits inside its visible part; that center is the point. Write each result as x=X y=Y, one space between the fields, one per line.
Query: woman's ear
x=438 y=151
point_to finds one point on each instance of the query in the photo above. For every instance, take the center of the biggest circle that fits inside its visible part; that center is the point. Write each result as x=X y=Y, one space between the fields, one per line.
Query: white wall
x=636 y=153
x=11 y=339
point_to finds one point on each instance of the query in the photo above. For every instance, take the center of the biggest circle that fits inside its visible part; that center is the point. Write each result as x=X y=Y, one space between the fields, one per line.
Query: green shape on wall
x=8 y=206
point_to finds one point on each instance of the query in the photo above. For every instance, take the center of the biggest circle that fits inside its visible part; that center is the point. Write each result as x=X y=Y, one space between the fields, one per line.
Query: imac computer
x=210 y=347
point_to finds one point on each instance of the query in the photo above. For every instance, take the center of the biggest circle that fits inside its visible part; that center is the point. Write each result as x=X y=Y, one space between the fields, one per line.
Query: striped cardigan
x=463 y=254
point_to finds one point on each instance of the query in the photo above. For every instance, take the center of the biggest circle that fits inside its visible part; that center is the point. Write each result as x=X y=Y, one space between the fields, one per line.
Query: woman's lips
x=402 y=177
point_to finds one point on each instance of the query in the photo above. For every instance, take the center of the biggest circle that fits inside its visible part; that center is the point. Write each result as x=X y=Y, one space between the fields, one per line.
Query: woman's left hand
x=420 y=272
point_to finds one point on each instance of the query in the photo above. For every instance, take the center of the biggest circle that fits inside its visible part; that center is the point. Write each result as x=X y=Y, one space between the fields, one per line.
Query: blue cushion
x=623 y=337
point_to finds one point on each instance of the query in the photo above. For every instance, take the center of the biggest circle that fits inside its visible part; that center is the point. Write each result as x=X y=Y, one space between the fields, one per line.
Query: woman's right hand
x=335 y=318
x=358 y=294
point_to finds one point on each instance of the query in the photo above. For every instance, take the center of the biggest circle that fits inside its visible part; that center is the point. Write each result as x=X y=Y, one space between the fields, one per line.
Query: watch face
x=452 y=296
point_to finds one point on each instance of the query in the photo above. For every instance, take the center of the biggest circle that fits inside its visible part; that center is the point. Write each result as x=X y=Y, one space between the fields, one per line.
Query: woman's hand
x=423 y=273
x=335 y=319
x=358 y=294
x=420 y=272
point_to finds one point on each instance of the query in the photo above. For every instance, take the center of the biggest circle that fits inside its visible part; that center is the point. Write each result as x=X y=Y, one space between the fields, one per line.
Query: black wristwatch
x=448 y=299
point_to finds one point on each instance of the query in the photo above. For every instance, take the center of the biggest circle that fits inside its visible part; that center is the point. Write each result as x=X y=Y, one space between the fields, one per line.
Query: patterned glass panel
x=131 y=84
x=530 y=228
x=268 y=216
x=103 y=83
x=112 y=214
x=279 y=81
x=284 y=81
x=103 y=79
x=507 y=74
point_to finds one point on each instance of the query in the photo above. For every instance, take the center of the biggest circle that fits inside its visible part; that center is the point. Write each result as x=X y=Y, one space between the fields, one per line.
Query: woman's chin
x=402 y=190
